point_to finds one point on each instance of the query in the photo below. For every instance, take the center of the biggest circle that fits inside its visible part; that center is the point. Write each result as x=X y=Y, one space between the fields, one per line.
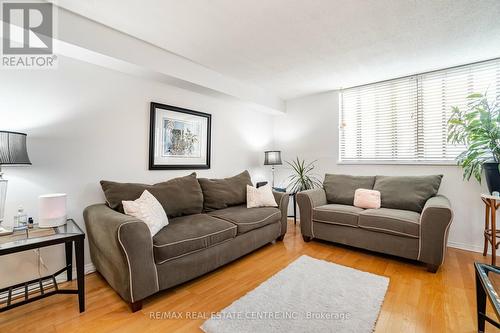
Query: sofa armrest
x=282 y=199
x=307 y=200
x=121 y=249
x=435 y=222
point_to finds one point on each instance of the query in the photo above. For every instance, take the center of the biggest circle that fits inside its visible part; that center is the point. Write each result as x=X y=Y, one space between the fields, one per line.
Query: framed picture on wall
x=179 y=138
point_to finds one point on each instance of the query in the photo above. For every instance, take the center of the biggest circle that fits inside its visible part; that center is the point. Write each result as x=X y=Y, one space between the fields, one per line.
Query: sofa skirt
x=180 y=270
x=400 y=246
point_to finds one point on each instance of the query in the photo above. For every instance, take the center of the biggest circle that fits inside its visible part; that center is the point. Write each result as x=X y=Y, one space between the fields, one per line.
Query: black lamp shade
x=13 y=148
x=272 y=157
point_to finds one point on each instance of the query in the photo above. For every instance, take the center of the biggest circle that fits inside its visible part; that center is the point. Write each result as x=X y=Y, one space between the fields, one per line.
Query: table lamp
x=12 y=152
x=272 y=158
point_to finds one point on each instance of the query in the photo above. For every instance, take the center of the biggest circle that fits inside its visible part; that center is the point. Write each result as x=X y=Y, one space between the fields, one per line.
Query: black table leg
x=69 y=260
x=481 y=304
x=294 y=209
x=79 y=254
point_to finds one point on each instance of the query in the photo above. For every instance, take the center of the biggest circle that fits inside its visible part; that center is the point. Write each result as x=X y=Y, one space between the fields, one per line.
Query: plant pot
x=492 y=176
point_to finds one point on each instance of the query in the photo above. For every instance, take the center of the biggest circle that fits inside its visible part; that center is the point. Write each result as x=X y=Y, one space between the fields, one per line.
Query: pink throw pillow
x=369 y=199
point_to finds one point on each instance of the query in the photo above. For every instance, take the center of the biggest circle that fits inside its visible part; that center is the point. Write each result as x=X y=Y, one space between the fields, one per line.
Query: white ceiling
x=298 y=47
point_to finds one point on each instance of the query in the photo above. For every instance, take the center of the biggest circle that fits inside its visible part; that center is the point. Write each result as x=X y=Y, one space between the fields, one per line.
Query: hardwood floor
x=417 y=301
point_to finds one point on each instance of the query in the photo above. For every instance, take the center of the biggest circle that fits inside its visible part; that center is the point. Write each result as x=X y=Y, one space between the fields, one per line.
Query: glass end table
x=35 y=238
x=487 y=287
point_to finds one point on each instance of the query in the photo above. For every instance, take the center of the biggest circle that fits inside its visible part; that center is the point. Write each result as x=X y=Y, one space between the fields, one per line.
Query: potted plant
x=302 y=177
x=478 y=128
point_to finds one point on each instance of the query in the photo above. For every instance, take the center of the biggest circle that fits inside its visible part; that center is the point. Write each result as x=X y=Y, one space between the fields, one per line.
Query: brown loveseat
x=209 y=226
x=413 y=221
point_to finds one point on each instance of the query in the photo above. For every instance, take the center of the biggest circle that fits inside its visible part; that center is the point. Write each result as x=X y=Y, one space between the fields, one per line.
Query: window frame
x=341 y=161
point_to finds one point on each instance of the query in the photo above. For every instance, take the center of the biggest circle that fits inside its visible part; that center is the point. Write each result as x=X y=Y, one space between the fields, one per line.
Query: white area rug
x=309 y=295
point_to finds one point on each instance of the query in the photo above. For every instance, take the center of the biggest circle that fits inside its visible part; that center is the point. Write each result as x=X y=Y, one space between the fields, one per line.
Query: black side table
x=485 y=288
x=22 y=293
x=294 y=200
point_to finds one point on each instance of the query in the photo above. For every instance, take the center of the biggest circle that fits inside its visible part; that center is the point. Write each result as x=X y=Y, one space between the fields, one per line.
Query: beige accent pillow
x=147 y=209
x=368 y=199
x=260 y=197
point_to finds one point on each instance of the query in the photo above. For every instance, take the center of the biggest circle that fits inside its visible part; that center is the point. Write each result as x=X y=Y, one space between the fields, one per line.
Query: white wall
x=310 y=130
x=86 y=123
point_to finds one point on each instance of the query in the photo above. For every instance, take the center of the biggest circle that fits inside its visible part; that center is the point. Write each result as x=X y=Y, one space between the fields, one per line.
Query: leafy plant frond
x=478 y=128
x=302 y=177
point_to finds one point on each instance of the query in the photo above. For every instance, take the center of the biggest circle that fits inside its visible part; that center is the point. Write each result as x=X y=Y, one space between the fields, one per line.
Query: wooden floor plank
x=416 y=301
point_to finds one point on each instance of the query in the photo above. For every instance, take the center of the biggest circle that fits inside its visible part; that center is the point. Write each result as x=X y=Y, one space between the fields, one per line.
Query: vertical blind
x=405 y=120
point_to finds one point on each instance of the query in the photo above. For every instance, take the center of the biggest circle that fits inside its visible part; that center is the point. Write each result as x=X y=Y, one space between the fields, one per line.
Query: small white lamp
x=52 y=210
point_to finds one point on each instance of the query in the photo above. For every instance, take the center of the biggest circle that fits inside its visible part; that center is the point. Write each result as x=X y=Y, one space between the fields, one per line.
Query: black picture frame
x=152 y=139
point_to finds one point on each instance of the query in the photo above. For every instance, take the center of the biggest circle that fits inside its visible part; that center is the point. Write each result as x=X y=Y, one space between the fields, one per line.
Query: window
x=405 y=120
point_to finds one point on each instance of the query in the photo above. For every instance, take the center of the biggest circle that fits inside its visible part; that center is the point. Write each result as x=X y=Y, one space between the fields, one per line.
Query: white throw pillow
x=147 y=209
x=260 y=197
x=368 y=199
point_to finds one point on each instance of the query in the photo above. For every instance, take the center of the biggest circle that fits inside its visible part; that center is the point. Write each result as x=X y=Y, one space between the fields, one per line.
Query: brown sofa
x=413 y=221
x=209 y=226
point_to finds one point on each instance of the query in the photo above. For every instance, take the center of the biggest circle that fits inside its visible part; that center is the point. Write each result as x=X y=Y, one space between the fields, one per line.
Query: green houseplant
x=478 y=128
x=302 y=177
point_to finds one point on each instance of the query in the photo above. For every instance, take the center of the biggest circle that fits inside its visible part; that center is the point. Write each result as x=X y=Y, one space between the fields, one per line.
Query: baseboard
x=468 y=247
x=88 y=268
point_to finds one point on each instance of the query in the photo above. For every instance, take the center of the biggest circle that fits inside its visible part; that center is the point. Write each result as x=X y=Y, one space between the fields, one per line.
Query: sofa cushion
x=407 y=193
x=392 y=221
x=178 y=196
x=340 y=188
x=189 y=234
x=248 y=218
x=337 y=214
x=223 y=193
